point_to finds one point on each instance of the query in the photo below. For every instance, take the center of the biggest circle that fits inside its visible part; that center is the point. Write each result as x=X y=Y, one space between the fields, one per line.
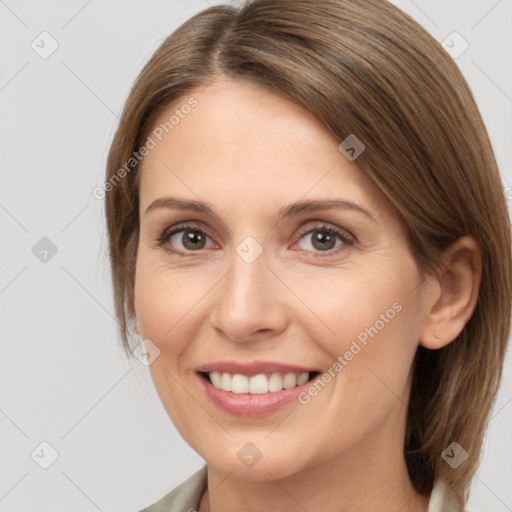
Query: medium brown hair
x=366 y=68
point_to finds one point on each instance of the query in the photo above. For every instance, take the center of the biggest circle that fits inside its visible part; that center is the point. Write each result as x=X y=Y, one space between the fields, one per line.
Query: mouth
x=255 y=395
x=259 y=384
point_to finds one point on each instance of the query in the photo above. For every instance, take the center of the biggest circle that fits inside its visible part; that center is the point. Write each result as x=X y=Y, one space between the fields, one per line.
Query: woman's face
x=263 y=287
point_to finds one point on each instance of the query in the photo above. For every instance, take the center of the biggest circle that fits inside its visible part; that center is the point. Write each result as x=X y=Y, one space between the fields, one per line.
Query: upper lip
x=250 y=369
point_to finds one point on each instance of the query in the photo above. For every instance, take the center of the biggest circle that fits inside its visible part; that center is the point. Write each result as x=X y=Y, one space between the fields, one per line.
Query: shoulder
x=443 y=499
x=185 y=497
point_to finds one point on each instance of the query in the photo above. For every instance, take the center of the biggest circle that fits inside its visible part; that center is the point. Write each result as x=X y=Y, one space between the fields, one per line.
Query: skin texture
x=249 y=152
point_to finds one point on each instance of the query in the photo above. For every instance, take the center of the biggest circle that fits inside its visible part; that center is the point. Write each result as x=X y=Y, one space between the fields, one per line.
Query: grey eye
x=191 y=239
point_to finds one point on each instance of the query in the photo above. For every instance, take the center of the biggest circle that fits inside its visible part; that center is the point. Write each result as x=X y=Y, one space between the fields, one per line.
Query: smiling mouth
x=259 y=384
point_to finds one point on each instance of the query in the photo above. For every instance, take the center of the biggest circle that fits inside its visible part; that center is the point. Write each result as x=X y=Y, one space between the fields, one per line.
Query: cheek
x=165 y=299
x=356 y=303
x=164 y=309
x=373 y=323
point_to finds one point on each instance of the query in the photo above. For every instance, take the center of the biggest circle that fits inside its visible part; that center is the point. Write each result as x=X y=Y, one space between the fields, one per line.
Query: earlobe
x=459 y=285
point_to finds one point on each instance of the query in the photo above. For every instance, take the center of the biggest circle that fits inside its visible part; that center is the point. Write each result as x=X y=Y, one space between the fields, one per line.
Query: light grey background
x=64 y=378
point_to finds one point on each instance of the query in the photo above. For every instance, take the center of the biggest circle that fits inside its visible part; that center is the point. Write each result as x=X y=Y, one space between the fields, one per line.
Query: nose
x=250 y=301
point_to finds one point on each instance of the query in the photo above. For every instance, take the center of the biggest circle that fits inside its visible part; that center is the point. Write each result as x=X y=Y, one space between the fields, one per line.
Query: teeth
x=225 y=382
x=290 y=381
x=239 y=383
x=302 y=378
x=258 y=384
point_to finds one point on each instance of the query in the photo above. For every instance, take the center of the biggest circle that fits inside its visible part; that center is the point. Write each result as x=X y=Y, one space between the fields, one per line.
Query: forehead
x=251 y=144
x=240 y=119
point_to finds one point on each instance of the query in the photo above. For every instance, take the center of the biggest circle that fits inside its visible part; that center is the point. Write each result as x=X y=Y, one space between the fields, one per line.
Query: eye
x=325 y=238
x=186 y=238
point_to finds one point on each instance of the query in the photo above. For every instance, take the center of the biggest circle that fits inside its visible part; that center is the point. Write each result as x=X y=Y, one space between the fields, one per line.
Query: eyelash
x=169 y=232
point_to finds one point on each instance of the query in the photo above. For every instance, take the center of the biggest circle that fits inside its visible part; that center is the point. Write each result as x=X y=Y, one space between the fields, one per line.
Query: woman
x=335 y=339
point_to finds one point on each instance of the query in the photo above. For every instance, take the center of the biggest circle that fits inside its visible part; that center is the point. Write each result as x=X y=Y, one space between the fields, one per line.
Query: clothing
x=186 y=497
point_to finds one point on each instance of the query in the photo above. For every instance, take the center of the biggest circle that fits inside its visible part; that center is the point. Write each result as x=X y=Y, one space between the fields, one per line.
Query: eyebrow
x=291 y=210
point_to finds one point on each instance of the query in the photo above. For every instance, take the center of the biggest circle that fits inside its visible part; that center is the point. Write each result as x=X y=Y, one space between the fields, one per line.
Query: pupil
x=191 y=238
x=323 y=238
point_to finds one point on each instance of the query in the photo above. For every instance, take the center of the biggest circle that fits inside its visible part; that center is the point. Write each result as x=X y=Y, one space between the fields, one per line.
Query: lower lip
x=252 y=405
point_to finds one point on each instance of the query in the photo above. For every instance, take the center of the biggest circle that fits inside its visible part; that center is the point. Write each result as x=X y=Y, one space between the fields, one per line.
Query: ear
x=457 y=294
